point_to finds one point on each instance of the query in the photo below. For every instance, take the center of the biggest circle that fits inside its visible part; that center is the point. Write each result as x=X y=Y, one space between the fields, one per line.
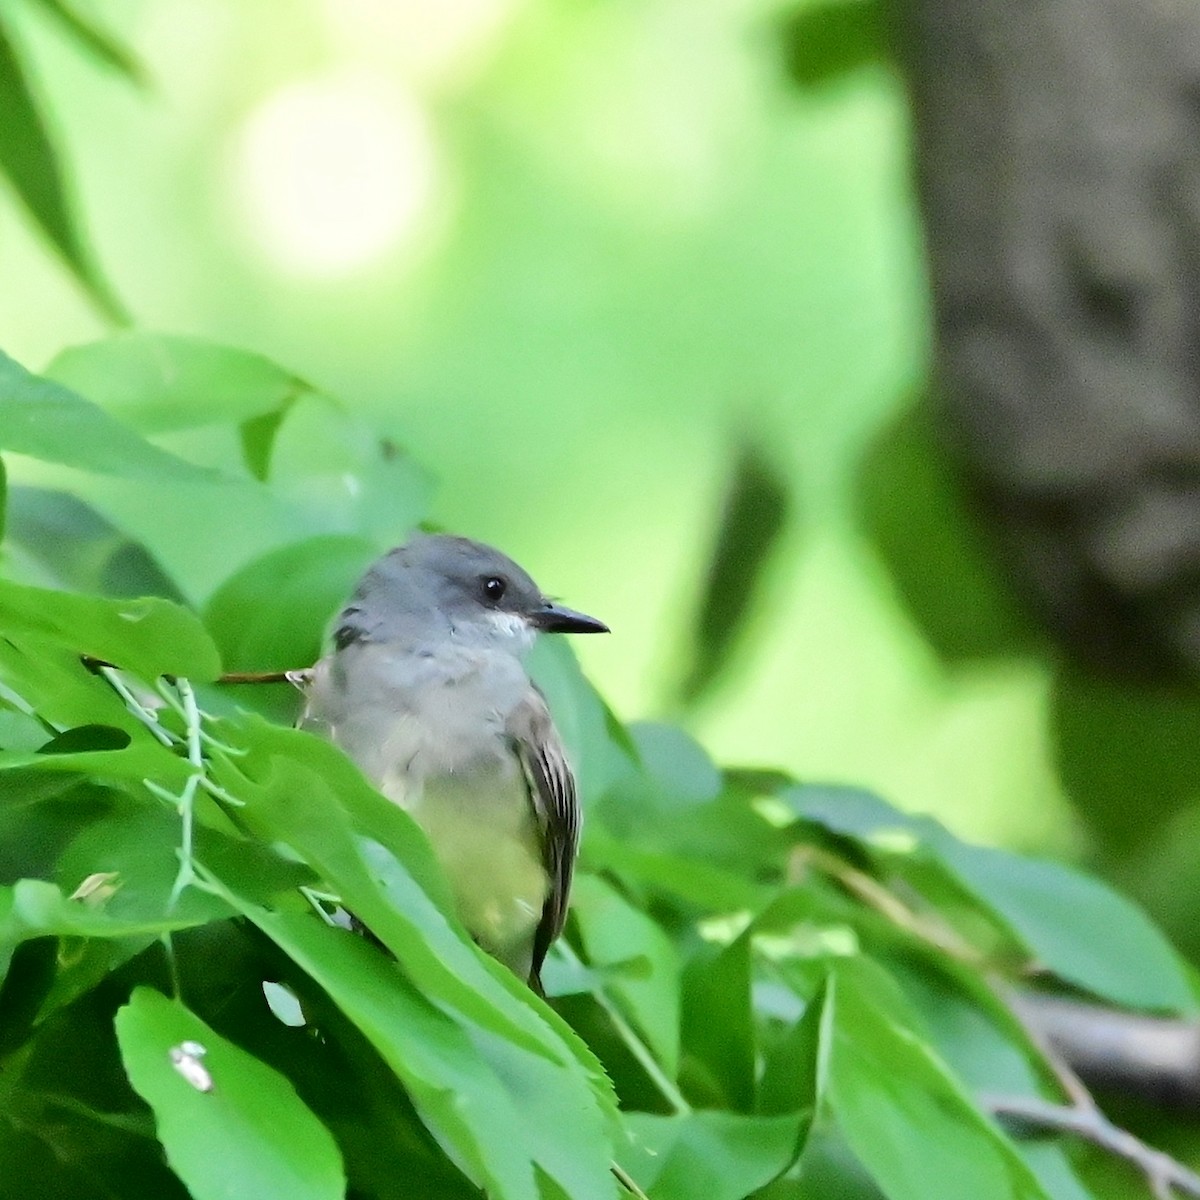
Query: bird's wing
x=556 y=805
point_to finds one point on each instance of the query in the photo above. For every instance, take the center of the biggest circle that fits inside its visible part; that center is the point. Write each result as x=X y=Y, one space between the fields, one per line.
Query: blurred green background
x=576 y=257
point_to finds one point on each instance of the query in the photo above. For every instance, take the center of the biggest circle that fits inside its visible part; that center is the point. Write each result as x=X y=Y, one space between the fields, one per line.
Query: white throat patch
x=513 y=629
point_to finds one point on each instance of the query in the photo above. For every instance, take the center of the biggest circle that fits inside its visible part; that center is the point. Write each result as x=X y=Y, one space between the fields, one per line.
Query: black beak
x=553 y=618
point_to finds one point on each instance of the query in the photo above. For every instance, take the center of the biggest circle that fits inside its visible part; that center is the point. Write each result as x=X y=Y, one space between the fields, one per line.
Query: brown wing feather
x=556 y=804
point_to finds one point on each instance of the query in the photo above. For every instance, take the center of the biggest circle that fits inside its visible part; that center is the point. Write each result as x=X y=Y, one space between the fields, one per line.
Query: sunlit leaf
x=149 y=637
x=907 y=1119
x=95 y=40
x=159 y=383
x=45 y=420
x=29 y=162
x=233 y=1126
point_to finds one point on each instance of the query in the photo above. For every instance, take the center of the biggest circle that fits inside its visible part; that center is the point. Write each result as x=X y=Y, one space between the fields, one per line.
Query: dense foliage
x=768 y=988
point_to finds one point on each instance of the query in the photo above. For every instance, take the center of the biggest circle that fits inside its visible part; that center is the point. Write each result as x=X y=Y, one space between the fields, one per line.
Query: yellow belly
x=483 y=830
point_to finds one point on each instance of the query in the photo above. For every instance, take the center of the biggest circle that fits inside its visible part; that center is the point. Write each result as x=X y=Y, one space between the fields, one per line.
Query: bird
x=425 y=689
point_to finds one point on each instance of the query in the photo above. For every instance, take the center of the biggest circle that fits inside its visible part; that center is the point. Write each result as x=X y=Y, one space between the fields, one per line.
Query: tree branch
x=1164 y=1175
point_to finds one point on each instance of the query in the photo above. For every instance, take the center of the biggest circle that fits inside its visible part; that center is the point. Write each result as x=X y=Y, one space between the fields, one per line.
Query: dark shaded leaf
x=258 y=440
x=917 y=514
x=756 y=512
x=86 y=738
x=614 y=932
x=1105 y=757
x=29 y=162
x=790 y=1067
x=825 y=42
x=717 y=1027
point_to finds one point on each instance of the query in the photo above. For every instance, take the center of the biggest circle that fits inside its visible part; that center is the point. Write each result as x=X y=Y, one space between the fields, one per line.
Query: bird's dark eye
x=494 y=588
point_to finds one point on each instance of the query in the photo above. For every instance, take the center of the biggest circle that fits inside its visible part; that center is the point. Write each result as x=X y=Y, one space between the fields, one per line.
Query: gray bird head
x=439 y=585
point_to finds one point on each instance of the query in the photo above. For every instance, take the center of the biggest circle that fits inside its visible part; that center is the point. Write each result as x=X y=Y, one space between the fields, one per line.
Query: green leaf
x=33 y=908
x=56 y=540
x=615 y=933
x=148 y=637
x=271 y=614
x=1074 y=925
x=52 y=680
x=714 y=1155
x=935 y=548
x=791 y=1066
x=498 y=1110
x=689 y=878
x=138 y=846
x=344 y=477
x=95 y=40
x=596 y=745
x=717 y=1026
x=304 y=792
x=328 y=473
x=160 y=383
x=247 y=1133
x=29 y=161
x=903 y=1113
x=756 y=513
x=676 y=763
x=45 y=420
x=825 y=42
x=100 y=752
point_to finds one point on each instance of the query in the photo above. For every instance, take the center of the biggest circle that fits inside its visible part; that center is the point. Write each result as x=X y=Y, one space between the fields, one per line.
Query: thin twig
x=1163 y=1173
x=877 y=896
x=254 y=677
x=1082 y=1116
x=627 y=1181
x=1076 y=1090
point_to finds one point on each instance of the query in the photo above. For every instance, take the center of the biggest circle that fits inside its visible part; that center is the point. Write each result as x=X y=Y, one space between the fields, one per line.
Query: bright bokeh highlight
x=333 y=172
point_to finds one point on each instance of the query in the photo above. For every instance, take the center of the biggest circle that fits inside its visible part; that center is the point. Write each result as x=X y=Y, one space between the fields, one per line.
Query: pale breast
x=430 y=733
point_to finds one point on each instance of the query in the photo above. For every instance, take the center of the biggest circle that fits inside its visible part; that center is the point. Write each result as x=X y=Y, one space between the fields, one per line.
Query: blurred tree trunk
x=1058 y=152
